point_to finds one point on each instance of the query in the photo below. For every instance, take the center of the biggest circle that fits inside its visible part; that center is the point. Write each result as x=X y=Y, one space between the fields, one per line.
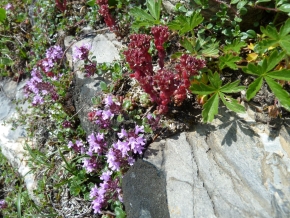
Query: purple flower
x=66 y=124
x=70 y=144
x=9 y=7
x=47 y=64
x=139 y=129
x=106 y=176
x=3 y=204
x=54 y=53
x=37 y=100
x=90 y=164
x=106 y=115
x=112 y=159
x=108 y=100
x=124 y=147
x=81 y=53
x=97 y=143
x=122 y=134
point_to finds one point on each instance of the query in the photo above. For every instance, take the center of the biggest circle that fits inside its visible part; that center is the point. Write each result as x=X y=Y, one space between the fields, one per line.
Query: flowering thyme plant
x=41 y=83
x=111 y=151
x=82 y=53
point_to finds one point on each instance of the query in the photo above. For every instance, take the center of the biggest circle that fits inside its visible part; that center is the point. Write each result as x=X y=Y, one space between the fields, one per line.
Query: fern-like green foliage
x=217 y=91
x=264 y=72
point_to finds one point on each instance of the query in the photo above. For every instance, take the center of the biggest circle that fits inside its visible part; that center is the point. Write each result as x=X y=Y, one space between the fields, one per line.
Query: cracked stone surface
x=232 y=167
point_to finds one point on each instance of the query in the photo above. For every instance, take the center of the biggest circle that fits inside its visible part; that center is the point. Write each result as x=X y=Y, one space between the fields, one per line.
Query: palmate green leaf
x=280 y=74
x=253 y=69
x=270 y=31
x=139 y=13
x=235 y=46
x=279 y=92
x=210 y=108
x=202 y=89
x=229 y=61
x=210 y=51
x=254 y=87
x=138 y=24
x=195 y=19
x=232 y=104
x=232 y=87
x=187 y=45
x=154 y=7
x=215 y=80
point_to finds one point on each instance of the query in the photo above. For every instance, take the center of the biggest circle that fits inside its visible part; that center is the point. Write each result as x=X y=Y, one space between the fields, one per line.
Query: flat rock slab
x=12 y=141
x=229 y=168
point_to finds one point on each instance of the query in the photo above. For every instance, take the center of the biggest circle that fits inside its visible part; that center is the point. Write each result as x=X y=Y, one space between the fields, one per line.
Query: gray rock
x=12 y=141
x=104 y=49
x=229 y=168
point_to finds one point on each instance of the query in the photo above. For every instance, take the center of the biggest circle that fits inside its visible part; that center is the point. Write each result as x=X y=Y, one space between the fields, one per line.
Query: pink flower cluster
x=104 y=11
x=163 y=86
x=114 y=157
x=39 y=85
x=109 y=189
x=82 y=53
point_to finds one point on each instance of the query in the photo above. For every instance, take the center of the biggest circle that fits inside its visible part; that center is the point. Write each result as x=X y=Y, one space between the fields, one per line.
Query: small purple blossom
x=47 y=64
x=107 y=114
x=81 y=53
x=122 y=134
x=37 y=100
x=66 y=124
x=139 y=129
x=90 y=164
x=3 y=204
x=106 y=176
x=54 y=53
x=78 y=146
x=9 y=7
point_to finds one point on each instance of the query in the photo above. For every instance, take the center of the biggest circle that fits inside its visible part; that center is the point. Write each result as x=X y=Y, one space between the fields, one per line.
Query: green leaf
x=2 y=14
x=270 y=31
x=119 y=212
x=274 y=59
x=137 y=24
x=91 y=3
x=254 y=87
x=154 y=7
x=202 y=89
x=215 y=80
x=195 y=19
x=285 y=29
x=279 y=92
x=285 y=44
x=18 y=203
x=176 y=55
x=253 y=69
x=283 y=74
x=235 y=46
x=229 y=61
x=139 y=13
x=285 y=8
x=187 y=45
x=232 y=87
x=232 y=104
x=210 y=108
x=103 y=86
